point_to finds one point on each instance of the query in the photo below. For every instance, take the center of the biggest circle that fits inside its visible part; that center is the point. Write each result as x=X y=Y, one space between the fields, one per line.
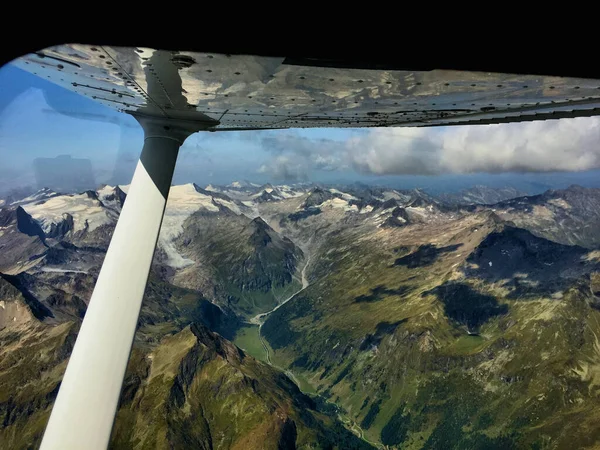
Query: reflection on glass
x=64 y=173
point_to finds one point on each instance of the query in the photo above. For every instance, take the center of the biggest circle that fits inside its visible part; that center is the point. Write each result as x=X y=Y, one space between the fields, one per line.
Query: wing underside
x=240 y=92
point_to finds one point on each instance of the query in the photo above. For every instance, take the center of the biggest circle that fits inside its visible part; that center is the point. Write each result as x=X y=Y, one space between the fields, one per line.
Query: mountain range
x=316 y=316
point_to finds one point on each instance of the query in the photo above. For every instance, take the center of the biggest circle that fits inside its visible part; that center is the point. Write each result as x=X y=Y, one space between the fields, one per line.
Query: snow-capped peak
x=184 y=200
x=87 y=211
x=40 y=195
x=106 y=191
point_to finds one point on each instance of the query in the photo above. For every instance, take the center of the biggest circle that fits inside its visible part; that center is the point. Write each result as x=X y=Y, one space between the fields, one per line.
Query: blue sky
x=41 y=120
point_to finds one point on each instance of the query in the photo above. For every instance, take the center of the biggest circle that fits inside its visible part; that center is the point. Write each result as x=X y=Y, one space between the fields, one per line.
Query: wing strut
x=84 y=411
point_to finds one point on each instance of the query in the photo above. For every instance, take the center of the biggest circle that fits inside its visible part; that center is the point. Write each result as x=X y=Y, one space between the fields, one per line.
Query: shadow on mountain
x=379 y=293
x=425 y=255
x=532 y=265
x=295 y=217
x=38 y=309
x=465 y=305
x=383 y=329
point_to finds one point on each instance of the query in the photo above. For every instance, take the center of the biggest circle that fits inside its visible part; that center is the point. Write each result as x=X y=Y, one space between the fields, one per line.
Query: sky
x=48 y=134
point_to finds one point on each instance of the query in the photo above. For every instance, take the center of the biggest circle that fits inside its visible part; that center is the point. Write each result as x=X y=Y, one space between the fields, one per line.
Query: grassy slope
x=33 y=357
x=183 y=390
x=247 y=339
x=32 y=362
x=203 y=392
x=368 y=337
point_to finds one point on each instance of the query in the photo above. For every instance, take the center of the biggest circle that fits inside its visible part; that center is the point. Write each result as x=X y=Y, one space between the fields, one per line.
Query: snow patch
x=339 y=203
x=106 y=191
x=385 y=212
x=42 y=194
x=87 y=212
x=183 y=201
x=419 y=210
x=561 y=203
x=286 y=191
x=389 y=195
x=344 y=195
x=232 y=206
x=59 y=270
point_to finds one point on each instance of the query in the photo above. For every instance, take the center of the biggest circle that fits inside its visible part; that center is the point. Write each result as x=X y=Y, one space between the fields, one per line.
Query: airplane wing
x=243 y=92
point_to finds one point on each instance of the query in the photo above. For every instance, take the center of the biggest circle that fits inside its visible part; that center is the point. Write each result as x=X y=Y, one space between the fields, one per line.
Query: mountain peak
x=241 y=184
x=261 y=232
x=217 y=344
x=23 y=221
x=317 y=196
x=542 y=265
x=260 y=221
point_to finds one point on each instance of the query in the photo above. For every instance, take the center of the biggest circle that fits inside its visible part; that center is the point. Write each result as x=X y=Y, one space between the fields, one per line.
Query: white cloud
x=286 y=167
x=543 y=146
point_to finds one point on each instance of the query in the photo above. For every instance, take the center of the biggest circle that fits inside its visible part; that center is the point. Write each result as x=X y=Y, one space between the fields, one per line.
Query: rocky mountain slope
x=422 y=322
x=568 y=216
x=243 y=262
x=481 y=195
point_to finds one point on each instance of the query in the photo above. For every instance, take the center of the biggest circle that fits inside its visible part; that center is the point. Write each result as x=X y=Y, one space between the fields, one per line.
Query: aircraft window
x=351 y=287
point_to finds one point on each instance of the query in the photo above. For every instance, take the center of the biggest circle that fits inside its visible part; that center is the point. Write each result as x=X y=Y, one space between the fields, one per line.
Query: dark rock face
x=266 y=197
x=22 y=239
x=19 y=282
x=61 y=229
x=317 y=196
x=121 y=195
x=26 y=224
x=72 y=304
x=211 y=193
x=574 y=215
x=91 y=194
x=260 y=236
x=419 y=202
x=312 y=211
x=391 y=203
x=118 y=195
x=399 y=218
x=23 y=221
x=271 y=264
